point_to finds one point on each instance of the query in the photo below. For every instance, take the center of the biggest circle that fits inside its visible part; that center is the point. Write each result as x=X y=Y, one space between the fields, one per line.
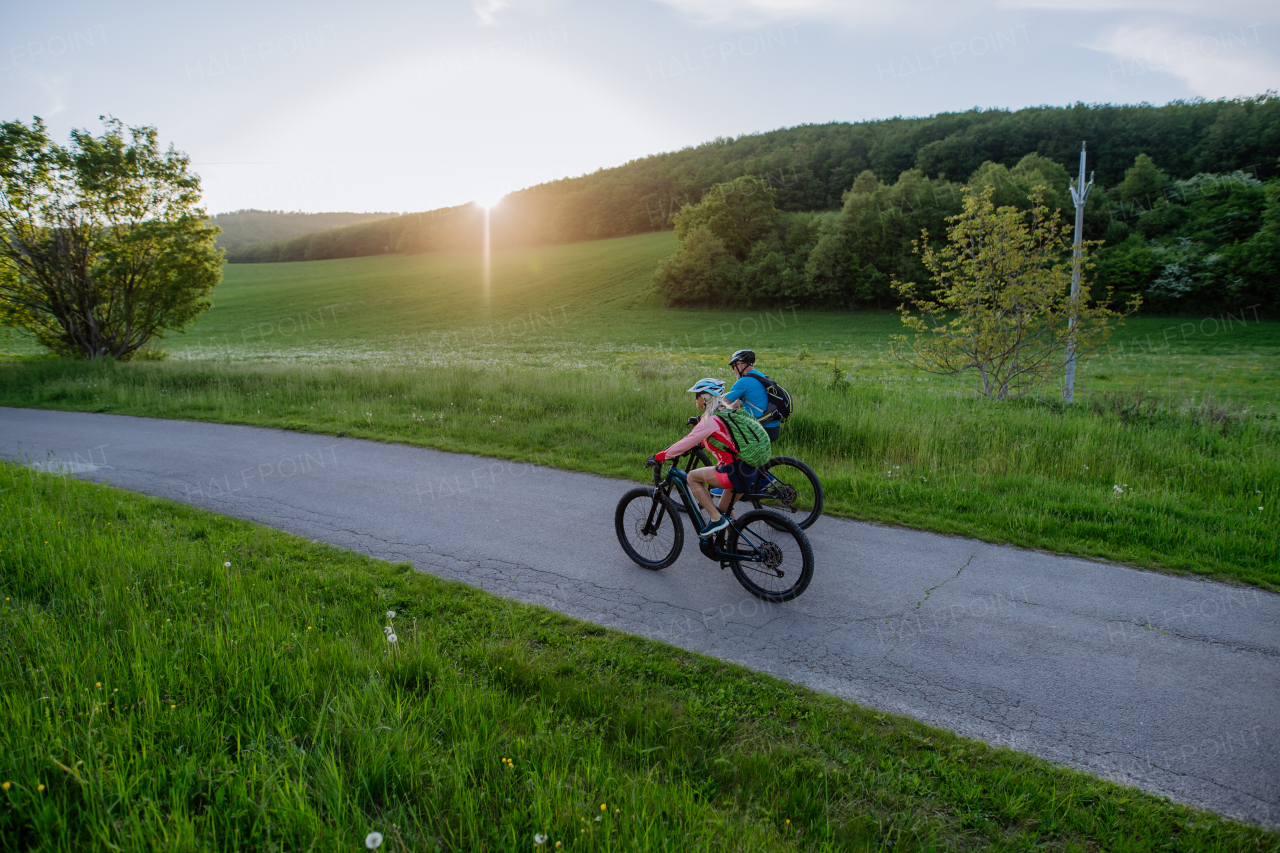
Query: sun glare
x=488 y=202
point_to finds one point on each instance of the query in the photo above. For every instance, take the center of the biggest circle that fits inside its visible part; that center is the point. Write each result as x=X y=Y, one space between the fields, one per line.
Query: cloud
x=933 y=13
x=1253 y=10
x=1213 y=62
x=54 y=86
x=755 y=13
x=488 y=10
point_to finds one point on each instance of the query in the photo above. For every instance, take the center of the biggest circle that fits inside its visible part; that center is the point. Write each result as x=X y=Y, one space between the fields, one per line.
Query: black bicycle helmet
x=743 y=355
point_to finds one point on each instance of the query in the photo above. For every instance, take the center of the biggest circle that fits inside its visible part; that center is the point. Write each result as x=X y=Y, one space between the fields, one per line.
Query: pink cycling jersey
x=706 y=429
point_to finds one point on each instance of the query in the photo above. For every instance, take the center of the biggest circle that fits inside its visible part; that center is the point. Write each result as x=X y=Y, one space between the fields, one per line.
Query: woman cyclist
x=731 y=475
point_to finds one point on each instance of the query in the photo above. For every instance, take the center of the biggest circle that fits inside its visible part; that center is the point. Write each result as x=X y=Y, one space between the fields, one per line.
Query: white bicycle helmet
x=708 y=386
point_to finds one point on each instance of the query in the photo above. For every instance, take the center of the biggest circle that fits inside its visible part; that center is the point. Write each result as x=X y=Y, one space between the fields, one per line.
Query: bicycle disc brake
x=771 y=557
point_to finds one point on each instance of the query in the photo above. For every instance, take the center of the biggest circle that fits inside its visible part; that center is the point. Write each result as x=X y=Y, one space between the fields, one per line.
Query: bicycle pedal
x=724 y=564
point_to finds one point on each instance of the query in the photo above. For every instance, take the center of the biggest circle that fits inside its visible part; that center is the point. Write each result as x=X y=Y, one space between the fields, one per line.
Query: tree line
x=242 y=227
x=811 y=167
x=1204 y=243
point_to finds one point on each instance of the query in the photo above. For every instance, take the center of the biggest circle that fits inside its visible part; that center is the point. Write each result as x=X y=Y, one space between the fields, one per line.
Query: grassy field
x=1171 y=459
x=171 y=679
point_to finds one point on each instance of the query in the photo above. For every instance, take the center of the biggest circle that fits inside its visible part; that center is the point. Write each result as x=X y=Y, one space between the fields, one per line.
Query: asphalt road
x=1165 y=683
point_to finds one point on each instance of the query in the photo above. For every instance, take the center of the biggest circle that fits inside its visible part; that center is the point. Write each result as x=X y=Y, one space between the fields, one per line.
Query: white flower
x=387 y=629
x=391 y=614
x=1117 y=490
x=539 y=838
x=391 y=638
x=373 y=840
x=227 y=564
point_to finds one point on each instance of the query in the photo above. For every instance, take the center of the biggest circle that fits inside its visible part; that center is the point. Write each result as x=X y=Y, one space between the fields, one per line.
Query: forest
x=241 y=227
x=1195 y=227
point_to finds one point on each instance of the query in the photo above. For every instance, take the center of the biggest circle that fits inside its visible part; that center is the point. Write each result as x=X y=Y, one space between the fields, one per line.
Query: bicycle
x=785 y=485
x=769 y=554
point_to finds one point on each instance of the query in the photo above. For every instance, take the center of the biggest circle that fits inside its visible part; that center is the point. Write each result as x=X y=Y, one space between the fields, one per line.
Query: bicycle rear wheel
x=775 y=560
x=790 y=489
x=648 y=528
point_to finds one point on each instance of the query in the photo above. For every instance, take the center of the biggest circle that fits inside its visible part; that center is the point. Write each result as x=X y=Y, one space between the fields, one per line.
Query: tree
x=701 y=272
x=107 y=246
x=1001 y=299
x=738 y=213
x=870 y=242
x=1144 y=181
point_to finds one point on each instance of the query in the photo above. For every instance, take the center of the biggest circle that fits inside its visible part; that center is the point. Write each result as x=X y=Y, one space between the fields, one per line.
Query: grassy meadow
x=172 y=679
x=1170 y=460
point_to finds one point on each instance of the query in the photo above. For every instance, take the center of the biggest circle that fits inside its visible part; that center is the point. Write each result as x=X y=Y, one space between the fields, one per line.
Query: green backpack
x=754 y=447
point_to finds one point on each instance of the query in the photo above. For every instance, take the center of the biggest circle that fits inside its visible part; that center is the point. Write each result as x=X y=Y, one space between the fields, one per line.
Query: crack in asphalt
x=928 y=592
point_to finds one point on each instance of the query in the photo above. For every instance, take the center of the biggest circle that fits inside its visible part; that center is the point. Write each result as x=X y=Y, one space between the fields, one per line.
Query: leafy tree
x=1012 y=186
x=738 y=213
x=1143 y=182
x=1255 y=264
x=871 y=241
x=106 y=244
x=701 y=272
x=1163 y=218
x=1001 y=302
x=1129 y=268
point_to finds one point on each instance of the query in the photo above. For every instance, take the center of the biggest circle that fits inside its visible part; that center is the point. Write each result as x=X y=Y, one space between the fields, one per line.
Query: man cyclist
x=749 y=391
x=730 y=474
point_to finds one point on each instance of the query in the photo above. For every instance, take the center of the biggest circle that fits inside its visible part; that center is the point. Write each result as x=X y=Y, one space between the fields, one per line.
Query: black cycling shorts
x=737 y=476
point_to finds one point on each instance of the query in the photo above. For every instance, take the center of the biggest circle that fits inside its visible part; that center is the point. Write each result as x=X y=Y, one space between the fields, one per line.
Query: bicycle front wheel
x=648 y=528
x=789 y=487
x=775 y=559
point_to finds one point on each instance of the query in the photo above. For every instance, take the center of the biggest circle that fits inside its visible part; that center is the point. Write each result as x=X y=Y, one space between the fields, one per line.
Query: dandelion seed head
x=391 y=614
x=373 y=840
x=391 y=638
x=227 y=564
x=539 y=838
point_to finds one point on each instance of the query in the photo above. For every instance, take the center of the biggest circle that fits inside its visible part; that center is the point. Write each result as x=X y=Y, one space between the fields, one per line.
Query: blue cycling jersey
x=755 y=400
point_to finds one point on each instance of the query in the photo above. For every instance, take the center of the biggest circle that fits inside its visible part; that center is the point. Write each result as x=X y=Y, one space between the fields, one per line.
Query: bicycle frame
x=756 y=492
x=676 y=478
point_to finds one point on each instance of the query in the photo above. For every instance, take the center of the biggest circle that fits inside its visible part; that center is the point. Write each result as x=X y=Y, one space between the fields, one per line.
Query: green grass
x=154 y=698
x=1190 y=488
x=570 y=363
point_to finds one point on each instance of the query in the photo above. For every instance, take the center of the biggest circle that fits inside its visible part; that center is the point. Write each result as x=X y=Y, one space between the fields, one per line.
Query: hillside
x=353 y=301
x=811 y=166
x=242 y=227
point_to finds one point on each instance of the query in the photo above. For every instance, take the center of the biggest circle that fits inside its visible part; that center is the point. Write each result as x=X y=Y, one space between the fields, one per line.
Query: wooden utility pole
x=1079 y=194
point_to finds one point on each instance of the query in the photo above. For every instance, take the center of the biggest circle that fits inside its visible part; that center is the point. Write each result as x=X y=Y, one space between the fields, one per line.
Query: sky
x=410 y=106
